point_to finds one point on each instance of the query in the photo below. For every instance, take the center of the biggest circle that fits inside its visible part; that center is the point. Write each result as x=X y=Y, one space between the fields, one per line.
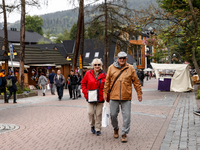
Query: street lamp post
x=151 y=31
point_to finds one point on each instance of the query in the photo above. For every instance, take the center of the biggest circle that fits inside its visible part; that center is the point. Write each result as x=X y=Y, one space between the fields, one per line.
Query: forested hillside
x=57 y=22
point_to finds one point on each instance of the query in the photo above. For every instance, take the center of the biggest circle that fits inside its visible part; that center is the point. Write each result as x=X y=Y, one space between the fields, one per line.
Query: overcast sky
x=53 y=6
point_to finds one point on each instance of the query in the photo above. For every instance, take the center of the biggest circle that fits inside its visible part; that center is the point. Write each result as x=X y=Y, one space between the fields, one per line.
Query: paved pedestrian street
x=162 y=121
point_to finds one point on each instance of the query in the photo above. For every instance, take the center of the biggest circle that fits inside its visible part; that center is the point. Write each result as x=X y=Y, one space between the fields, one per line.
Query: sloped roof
x=35 y=55
x=30 y=37
x=69 y=45
x=95 y=46
x=60 y=47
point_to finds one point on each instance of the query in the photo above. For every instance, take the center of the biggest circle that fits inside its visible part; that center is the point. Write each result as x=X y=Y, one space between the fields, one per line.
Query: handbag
x=93 y=95
x=48 y=87
x=108 y=95
x=105 y=116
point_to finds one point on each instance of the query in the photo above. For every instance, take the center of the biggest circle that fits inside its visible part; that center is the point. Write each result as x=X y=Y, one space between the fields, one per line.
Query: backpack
x=9 y=82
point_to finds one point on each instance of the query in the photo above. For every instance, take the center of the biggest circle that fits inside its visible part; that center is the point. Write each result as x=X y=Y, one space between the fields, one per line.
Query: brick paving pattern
x=48 y=124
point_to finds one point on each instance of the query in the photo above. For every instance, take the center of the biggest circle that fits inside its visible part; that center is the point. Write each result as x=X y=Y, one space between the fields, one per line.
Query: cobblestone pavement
x=48 y=124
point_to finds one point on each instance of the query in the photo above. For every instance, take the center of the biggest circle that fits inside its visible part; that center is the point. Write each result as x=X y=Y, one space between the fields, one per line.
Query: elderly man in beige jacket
x=121 y=93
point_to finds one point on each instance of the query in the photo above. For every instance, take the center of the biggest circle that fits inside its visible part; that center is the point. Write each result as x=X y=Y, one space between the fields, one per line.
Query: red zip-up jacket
x=90 y=83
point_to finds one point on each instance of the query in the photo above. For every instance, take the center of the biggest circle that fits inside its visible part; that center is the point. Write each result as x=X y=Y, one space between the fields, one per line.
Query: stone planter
x=23 y=95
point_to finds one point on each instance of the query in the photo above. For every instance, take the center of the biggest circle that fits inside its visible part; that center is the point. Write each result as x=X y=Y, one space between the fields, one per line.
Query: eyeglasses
x=122 y=57
x=97 y=64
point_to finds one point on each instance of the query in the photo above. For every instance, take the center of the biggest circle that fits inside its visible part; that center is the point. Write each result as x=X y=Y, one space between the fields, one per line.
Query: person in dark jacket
x=3 y=85
x=79 y=84
x=74 y=81
x=59 y=81
x=141 y=76
x=13 y=88
x=51 y=80
x=69 y=86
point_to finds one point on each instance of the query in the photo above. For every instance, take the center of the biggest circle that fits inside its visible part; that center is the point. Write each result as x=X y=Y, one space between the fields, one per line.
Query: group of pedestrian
x=115 y=87
x=55 y=80
x=74 y=85
x=8 y=82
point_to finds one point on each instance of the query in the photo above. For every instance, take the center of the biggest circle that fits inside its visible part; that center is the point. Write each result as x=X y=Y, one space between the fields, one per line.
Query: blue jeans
x=60 y=92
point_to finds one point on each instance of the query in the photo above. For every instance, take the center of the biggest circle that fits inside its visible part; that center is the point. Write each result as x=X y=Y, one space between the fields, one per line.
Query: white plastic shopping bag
x=48 y=86
x=105 y=115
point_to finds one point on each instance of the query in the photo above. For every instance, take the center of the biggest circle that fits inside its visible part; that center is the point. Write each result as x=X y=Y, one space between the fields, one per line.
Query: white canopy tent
x=181 y=80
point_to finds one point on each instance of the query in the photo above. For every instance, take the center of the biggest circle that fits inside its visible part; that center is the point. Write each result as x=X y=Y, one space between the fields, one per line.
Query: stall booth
x=173 y=77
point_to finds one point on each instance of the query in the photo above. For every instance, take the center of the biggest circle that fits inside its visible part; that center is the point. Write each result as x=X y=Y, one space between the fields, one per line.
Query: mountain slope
x=57 y=22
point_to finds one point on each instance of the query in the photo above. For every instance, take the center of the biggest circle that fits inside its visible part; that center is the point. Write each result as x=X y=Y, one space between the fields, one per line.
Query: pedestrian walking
x=140 y=75
x=147 y=75
x=12 y=88
x=42 y=81
x=74 y=81
x=94 y=80
x=3 y=85
x=59 y=81
x=79 y=84
x=69 y=86
x=51 y=80
x=120 y=77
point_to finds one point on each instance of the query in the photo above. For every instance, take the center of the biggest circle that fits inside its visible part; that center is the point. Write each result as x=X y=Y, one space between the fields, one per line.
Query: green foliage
x=19 y=89
x=48 y=35
x=73 y=32
x=198 y=94
x=95 y=30
x=62 y=36
x=42 y=41
x=172 y=5
x=27 y=89
x=34 y=23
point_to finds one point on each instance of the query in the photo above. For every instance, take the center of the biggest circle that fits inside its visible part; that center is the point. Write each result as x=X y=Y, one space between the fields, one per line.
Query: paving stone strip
x=184 y=129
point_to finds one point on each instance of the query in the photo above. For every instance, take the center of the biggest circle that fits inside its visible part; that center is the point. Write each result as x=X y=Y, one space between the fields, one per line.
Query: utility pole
x=82 y=41
x=106 y=37
x=22 y=44
x=5 y=36
x=78 y=36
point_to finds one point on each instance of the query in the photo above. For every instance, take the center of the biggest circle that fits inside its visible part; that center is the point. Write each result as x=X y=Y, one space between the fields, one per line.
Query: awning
x=15 y=64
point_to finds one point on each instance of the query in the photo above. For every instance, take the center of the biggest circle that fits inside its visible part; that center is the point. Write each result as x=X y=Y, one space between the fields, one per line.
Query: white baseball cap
x=121 y=54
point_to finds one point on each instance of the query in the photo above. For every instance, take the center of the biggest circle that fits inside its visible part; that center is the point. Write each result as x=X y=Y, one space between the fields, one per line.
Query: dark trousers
x=14 y=100
x=5 y=95
x=70 y=90
x=141 y=82
x=75 y=90
x=60 y=92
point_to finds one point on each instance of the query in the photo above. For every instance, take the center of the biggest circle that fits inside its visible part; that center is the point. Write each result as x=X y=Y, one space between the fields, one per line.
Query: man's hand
x=139 y=98
x=105 y=98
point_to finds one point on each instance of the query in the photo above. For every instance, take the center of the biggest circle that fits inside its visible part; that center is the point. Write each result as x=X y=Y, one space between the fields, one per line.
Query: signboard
x=3 y=66
x=80 y=62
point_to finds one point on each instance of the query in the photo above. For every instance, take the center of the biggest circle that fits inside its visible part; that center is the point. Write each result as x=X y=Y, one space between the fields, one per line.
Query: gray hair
x=98 y=61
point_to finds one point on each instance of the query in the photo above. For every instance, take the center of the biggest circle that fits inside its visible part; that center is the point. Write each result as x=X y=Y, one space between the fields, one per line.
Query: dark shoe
x=197 y=113
x=93 y=130
x=43 y=94
x=79 y=96
x=74 y=98
x=53 y=94
x=116 y=133
x=124 y=138
x=14 y=102
x=70 y=97
x=98 y=133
